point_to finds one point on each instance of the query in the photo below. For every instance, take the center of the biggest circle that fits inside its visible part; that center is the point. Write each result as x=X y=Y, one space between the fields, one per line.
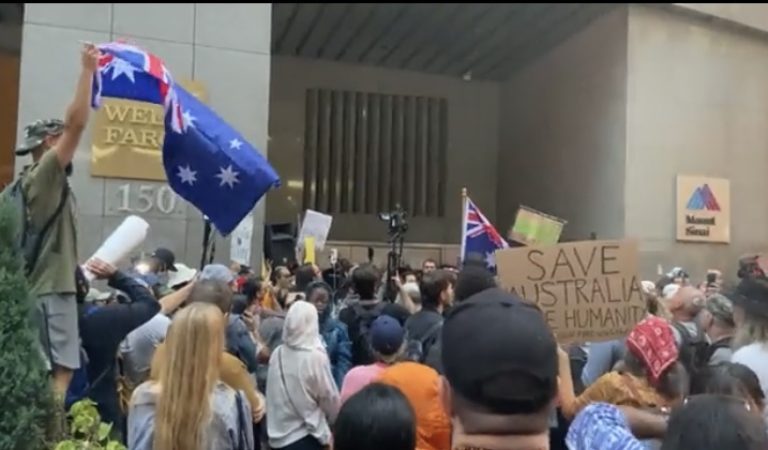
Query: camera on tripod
x=396 y=221
x=397 y=226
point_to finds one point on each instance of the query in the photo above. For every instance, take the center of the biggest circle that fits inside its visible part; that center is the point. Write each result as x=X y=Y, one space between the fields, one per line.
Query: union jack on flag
x=128 y=72
x=479 y=236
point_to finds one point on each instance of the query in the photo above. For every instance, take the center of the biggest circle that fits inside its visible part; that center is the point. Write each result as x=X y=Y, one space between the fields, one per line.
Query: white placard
x=124 y=240
x=317 y=225
x=240 y=241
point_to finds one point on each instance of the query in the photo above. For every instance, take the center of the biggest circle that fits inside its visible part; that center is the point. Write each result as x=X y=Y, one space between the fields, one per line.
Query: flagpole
x=207 y=234
x=212 y=251
x=463 y=222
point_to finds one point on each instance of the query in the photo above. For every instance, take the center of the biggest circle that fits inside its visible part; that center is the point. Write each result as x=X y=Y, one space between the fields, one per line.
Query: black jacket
x=101 y=331
x=425 y=326
x=434 y=357
x=423 y=323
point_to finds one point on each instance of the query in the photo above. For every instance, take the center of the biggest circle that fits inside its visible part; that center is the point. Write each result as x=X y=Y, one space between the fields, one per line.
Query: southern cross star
x=235 y=144
x=187 y=175
x=228 y=176
x=120 y=67
x=189 y=119
x=490 y=260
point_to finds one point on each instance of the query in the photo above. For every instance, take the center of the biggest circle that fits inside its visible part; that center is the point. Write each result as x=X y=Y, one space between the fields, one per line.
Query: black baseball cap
x=166 y=257
x=502 y=355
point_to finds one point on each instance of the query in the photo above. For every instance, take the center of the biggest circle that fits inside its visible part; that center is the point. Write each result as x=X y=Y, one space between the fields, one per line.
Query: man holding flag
x=50 y=234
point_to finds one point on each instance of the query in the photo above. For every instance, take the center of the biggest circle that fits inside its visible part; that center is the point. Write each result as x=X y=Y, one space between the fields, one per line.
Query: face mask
x=411 y=286
x=162 y=277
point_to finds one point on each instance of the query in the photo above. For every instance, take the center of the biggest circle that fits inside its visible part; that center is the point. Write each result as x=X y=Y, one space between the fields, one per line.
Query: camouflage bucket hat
x=721 y=307
x=36 y=132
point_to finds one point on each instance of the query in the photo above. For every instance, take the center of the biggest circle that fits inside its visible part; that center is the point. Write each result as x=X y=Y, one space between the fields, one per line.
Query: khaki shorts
x=56 y=319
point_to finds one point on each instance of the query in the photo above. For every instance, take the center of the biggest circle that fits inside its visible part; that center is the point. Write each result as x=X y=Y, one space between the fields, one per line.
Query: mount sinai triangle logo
x=703 y=198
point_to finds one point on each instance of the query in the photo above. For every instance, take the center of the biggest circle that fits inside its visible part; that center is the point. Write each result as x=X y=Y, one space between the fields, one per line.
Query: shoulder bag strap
x=432 y=331
x=242 y=435
x=91 y=386
x=46 y=228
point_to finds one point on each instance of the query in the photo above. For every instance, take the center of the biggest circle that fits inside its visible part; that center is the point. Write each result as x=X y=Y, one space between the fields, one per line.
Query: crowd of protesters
x=224 y=358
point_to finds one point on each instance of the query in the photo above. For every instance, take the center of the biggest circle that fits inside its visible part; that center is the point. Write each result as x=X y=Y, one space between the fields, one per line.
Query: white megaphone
x=122 y=242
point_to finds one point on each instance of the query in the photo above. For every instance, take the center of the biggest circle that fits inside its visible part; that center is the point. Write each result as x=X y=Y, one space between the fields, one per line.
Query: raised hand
x=90 y=55
x=101 y=269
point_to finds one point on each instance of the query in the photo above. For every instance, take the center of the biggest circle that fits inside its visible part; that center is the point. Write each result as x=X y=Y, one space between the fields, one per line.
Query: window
x=365 y=153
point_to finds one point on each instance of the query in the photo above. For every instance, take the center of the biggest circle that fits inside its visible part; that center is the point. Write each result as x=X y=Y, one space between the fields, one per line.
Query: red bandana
x=653 y=342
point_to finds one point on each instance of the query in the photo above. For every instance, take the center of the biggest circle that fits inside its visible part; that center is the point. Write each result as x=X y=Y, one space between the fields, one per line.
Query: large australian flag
x=206 y=161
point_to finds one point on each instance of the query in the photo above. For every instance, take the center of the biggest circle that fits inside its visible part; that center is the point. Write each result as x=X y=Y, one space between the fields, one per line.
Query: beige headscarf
x=301 y=330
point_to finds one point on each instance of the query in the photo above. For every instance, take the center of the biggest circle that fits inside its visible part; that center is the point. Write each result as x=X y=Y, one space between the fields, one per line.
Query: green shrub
x=88 y=432
x=26 y=400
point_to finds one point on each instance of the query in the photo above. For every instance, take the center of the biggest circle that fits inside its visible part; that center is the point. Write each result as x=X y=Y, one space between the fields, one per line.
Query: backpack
x=694 y=350
x=360 y=333
x=712 y=348
x=28 y=239
x=418 y=349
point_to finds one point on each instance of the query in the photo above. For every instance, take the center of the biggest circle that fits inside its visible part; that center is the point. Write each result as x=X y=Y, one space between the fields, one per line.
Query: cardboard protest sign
x=316 y=225
x=536 y=228
x=240 y=241
x=588 y=291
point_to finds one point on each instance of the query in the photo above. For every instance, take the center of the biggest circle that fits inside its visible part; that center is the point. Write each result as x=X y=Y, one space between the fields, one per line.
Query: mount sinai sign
x=703 y=209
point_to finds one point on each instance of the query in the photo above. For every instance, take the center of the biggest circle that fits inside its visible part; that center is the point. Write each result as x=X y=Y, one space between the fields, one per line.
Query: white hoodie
x=302 y=398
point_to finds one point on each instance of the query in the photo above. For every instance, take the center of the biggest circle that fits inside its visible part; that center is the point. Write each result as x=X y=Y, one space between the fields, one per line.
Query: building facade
x=587 y=113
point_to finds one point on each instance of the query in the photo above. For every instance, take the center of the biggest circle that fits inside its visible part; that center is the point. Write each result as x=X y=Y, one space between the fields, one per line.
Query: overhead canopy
x=471 y=40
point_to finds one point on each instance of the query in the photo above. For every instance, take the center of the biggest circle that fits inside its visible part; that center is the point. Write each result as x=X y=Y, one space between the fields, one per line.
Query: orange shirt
x=421 y=386
x=268 y=301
